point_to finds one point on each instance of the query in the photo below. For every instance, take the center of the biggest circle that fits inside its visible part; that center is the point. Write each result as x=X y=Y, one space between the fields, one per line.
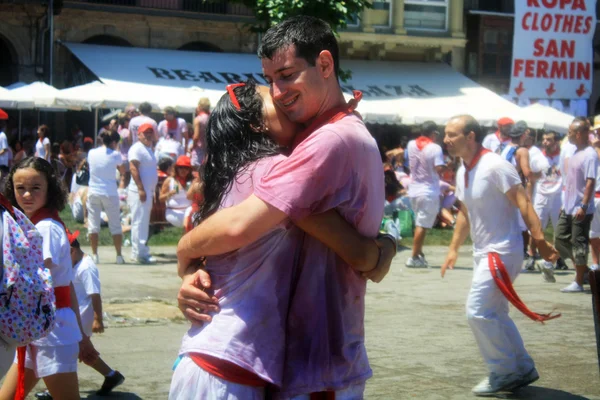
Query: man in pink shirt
x=335 y=164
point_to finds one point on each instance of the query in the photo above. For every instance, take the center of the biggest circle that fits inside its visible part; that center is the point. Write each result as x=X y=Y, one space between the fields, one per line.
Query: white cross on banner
x=552 y=49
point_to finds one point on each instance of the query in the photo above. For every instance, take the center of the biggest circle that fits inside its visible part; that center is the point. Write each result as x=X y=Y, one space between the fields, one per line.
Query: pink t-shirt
x=253 y=286
x=197 y=153
x=337 y=166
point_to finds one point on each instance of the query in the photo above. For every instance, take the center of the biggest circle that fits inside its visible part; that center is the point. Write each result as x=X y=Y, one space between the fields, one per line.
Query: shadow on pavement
x=112 y=395
x=536 y=392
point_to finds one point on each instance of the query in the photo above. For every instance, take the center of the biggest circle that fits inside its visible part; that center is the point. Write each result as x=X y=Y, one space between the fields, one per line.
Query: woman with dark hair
x=174 y=192
x=241 y=351
x=104 y=162
x=42 y=146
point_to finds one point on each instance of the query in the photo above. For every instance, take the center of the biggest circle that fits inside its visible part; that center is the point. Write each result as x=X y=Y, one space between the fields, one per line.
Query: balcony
x=196 y=6
x=214 y=7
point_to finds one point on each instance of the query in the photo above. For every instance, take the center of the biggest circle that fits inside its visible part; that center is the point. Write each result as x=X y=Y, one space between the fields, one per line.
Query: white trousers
x=140 y=223
x=547 y=208
x=495 y=332
x=190 y=382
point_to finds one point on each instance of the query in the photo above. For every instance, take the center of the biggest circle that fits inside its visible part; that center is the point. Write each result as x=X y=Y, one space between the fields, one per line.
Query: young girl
x=35 y=189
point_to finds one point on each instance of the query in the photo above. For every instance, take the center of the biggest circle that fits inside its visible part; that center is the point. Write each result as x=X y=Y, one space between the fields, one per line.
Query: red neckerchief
x=182 y=181
x=422 y=142
x=44 y=213
x=551 y=155
x=6 y=204
x=172 y=125
x=329 y=117
x=482 y=150
x=504 y=283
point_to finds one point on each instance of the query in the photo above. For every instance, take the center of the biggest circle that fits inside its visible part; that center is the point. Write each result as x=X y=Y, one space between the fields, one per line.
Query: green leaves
x=335 y=12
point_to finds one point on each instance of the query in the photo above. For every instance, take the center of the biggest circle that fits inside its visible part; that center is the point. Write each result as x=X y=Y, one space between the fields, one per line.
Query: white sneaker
x=529 y=265
x=547 y=270
x=415 y=262
x=572 y=288
x=120 y=260
x=594 y=267
x=496 y=383
x=95 y=259
x=425 y=263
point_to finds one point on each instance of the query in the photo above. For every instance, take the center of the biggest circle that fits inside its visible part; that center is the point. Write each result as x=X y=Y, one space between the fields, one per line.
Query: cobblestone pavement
x=418 y=340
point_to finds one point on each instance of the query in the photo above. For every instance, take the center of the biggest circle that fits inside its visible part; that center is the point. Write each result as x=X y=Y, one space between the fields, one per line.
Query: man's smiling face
x=296 y=86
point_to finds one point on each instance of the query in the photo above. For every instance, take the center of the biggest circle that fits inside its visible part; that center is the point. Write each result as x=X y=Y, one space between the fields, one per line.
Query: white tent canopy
x=393 y=92
x=34 y=95
x=552 y=118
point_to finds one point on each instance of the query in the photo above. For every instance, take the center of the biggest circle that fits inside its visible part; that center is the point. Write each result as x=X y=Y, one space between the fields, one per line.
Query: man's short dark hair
x=309 y=35
x=145 y=108
x=471 y=125
x=75 y=244
x=553 y=134
x=429 y=127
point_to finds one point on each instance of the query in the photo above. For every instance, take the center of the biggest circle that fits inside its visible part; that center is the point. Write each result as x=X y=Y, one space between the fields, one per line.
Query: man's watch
x=584 y=207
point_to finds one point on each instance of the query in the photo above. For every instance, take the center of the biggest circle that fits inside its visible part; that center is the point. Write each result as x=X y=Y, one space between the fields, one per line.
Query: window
x=496 y=52
x=382 y=13
x=429 y=15
x=353 y=21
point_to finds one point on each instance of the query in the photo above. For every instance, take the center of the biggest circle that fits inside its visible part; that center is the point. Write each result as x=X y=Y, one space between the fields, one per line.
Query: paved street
x=419 y=343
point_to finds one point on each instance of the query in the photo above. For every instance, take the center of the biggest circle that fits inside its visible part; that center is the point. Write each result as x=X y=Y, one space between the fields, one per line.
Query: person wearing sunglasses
x=334 y=165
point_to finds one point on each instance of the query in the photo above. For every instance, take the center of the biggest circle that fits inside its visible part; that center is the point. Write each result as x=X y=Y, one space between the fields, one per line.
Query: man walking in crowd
x=491 y=196
x=426 y=161
x=518 y=155
x=335 y=164
x=144 y=118
x=497 y=141
x=547 y=199
x=173 y=126
x=199 y=138
x=572 y=236
x=142 y=164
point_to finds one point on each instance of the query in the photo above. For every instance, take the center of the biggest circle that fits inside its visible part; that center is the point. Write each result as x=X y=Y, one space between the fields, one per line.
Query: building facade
x=489 y=28
x=395 y=30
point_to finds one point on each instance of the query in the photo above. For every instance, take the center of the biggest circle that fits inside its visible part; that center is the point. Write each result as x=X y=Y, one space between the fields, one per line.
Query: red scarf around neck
x=482 y=150
x=422 y=142
x=330 y=116
x=182 y=181
x=554 y=154
x=172 y=125
x=44 y=213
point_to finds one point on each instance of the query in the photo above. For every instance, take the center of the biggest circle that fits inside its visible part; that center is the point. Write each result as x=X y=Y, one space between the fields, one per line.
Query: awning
x=394 y=92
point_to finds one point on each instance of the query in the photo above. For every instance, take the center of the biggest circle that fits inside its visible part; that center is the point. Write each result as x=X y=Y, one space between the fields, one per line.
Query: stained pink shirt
x=253 y=286
x=337 y=166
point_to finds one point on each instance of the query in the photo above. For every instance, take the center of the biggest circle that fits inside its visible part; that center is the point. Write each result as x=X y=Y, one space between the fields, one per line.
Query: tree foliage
x=335 y=12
